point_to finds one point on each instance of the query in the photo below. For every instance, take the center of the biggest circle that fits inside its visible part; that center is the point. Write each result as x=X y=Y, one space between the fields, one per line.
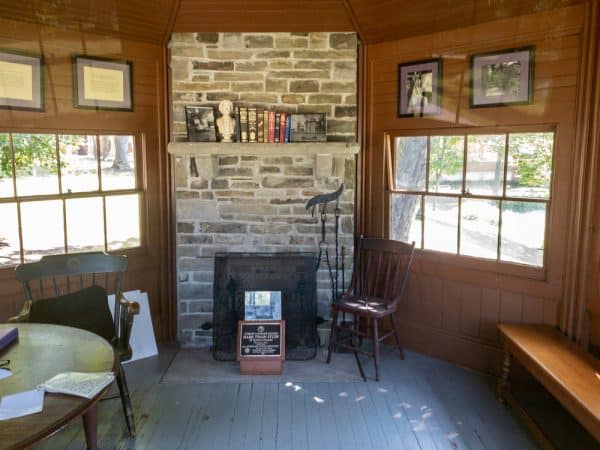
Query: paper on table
x=21 y=404
x=81 y=384
x=5 y=373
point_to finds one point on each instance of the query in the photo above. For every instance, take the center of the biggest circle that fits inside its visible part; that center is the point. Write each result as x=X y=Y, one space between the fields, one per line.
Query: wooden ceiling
x=374 y=20
x=138 y=20
x=386 y=20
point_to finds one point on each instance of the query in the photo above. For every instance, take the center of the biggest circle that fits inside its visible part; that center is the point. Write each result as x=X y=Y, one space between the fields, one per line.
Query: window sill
x=467 y=263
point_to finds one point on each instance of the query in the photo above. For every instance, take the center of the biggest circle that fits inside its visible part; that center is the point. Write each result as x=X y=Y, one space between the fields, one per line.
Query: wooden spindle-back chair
x=379 y=279
x=72 y=290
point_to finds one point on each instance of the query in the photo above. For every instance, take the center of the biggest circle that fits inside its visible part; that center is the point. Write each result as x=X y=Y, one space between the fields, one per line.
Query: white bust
x=225 y=123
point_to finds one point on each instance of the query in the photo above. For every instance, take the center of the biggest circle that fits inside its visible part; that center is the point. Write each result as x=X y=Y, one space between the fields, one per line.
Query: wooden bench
x=569 y=373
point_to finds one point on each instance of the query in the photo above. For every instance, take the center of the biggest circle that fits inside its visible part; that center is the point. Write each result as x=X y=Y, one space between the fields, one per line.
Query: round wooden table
x=42 y=352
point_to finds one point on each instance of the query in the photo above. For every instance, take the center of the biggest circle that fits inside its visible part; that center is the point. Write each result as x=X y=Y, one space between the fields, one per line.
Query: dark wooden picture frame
x=502 y=78
x=26 y=69
x=308 y=127
x=102 y=84
x=200 y=123
x=420 y=88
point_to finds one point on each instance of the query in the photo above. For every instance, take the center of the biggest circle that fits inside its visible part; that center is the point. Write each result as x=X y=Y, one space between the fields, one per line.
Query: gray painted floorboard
x=420 y=404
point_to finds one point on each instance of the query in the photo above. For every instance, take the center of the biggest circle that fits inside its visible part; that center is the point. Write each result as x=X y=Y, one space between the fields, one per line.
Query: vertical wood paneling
x=474 y=299
x=451 y=310
x=511 y=307
x=490 y=312
x=470 y=308
x=533 y=309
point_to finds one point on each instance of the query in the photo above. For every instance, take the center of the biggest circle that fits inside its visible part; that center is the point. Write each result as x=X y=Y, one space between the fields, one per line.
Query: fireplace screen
x=291 y=273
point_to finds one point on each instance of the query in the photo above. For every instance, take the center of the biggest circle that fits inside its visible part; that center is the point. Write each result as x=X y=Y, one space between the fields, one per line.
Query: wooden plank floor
x=421 y=404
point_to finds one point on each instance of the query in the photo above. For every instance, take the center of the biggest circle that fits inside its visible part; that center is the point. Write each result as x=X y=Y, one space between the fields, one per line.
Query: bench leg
x=503 y=382
x=332 y=335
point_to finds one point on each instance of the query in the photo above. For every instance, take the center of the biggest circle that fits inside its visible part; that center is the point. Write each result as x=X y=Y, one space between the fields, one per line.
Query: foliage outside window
x=67 y=193
x=479 y=195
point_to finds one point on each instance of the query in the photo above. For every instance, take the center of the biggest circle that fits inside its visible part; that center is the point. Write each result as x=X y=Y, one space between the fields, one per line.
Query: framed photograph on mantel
x=309 y=127
x=502 y=78
x=21 y=81
x=100 y=83
x=200 y=122
x=420 y=88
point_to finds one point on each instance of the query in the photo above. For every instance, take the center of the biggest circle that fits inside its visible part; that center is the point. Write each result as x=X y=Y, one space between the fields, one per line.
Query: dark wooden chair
x=378 y=282
x=72 y=290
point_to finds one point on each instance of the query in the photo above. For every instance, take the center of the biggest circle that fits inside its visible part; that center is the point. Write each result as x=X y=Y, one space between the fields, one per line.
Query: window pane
x=479 y=228
x=9 y=235
x=6 y=181
x=529 y=164
x=441 y=224
x=411 y=156
x=123 y=221
x=446 y=163
x=406 y=218
x=523 y=227
x=79 y=166
x=42 y=224
x=485 y=164
x=85 y=224
x=117 y=159
x=35 y=164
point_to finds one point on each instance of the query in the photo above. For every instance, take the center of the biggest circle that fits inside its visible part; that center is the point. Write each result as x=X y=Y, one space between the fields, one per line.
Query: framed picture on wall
x=100 y=83
x=21 y=81
x=502 y=78
x=420 y=88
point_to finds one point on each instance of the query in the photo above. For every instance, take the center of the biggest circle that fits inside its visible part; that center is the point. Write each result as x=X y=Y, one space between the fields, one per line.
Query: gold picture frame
x=100 y=83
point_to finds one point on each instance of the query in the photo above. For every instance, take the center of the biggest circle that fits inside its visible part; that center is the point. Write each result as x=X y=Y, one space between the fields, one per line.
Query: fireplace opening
x=292 y=273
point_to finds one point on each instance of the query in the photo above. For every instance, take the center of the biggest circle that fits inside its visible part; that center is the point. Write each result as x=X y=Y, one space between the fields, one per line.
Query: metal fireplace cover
x=292 y=273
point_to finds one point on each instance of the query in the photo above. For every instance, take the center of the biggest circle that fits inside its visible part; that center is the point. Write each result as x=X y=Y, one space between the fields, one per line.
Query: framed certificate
x=21 y=81
x=102 y=84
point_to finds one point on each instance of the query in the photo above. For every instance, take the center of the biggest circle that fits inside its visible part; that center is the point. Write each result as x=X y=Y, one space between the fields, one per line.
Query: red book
x=282 y=127
x=271 y=126
x=8 y=336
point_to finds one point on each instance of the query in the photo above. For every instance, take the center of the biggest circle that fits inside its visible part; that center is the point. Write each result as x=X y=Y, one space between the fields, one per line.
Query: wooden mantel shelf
x=256 y=149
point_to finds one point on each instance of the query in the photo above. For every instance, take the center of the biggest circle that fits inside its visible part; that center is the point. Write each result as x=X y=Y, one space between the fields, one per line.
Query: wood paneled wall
x=148 y=269
x=453 y=307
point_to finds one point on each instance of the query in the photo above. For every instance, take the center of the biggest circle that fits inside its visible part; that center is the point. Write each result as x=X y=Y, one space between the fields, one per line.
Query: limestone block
x=181 y=171
x=343 y=41
x=196 y=209
x=323 y=165
x=207 y=166
x=207 y=38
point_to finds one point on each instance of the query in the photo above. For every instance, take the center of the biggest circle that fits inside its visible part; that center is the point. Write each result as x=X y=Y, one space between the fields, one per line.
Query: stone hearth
x=251 y=198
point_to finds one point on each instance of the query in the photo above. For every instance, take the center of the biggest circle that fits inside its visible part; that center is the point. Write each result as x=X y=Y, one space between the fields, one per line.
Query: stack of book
x=261 y=125
x=255 y=124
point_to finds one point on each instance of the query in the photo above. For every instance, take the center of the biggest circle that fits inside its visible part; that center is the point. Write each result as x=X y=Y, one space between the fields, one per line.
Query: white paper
x=5 y=373
x=21 y=404
x=142 y=340
x=81 y=384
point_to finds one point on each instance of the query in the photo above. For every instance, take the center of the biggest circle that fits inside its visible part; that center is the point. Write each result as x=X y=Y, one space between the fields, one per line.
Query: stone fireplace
x=252 y=197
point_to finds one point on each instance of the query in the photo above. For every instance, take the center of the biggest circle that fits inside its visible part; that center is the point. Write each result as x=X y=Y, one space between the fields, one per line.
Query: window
x=479 y=195
x=67 y=193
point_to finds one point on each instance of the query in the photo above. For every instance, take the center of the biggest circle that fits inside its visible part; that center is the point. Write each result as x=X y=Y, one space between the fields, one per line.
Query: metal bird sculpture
x=324 y=199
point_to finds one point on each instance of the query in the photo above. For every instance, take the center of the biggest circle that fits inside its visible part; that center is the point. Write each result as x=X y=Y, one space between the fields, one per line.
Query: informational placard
x=262 y=339
x=261 y=346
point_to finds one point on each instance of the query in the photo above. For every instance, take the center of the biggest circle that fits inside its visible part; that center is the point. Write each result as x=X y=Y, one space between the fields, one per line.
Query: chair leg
x=356 y=326
x=376 y=347
x=396 y=327
x=126 y=401
x=332 y=335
